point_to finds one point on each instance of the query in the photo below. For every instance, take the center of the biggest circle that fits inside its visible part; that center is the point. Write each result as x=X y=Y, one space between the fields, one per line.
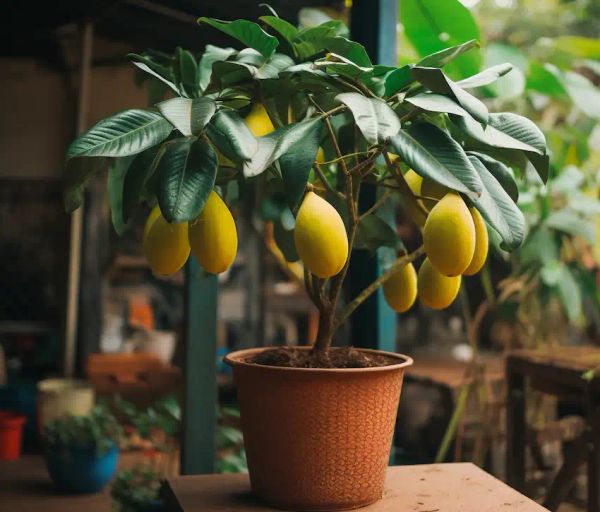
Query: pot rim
x=237 y=359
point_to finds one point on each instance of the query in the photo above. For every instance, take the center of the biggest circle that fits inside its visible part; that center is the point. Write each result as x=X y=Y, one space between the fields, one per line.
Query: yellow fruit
x=449 y=235
x=166 y=246
x=436 y=290
x=400 y=290
x=213 y=236
x=481 y=243
x=430 y=188
x=259 y=121
x=320 y=156
x=414 y=207
x=320 y=236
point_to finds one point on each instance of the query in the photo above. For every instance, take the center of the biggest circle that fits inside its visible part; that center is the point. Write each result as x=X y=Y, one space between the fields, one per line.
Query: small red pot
x=11 y=429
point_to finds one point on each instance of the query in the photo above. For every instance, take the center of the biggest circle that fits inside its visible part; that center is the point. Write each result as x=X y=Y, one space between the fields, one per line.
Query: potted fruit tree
x=317 y=420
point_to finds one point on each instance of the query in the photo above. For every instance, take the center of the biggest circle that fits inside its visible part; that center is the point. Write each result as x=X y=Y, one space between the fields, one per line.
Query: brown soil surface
x=336 y=357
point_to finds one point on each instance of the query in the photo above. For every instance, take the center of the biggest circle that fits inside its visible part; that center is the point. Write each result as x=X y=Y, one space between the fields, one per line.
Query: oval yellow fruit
x=436 y=290
x=481 y=243
x=213 y=236
x=433 y=189
x=449 y=235
x=259 y=121
x=166 y=246
x=414 y=206
x=400 y=290
x=320 y=237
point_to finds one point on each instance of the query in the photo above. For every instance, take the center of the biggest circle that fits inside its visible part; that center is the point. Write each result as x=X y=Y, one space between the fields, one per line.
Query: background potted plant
x=351 y=141
x=137 y=490
x=81 y=452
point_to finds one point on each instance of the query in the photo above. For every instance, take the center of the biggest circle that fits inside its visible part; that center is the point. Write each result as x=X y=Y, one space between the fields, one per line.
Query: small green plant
x=136 y=489
x=99 y=429
x=163 y=415
x=231 y=457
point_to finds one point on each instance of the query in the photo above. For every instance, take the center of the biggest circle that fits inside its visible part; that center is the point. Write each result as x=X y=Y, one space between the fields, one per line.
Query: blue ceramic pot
x=81 y=470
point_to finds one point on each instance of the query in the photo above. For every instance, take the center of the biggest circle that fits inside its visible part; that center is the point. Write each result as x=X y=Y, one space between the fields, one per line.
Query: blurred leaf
x=569 y=179
x=187 y=172
x=162 y=73
x=141 y=169
x=187 y=71
x=78 y=172
x=540 y=246
x=311 y=41
x=583 y=92
x=498 y=209
x=568 y=221
x=433 y=154
x=578 y=46
x=284 y=239
x=436 y=81
x=188 y=116
x=569 y=293
x=116 y=179
x=247 y=32
x=543 y=81
x=436 y=25
x=441 y=58
x=513 y=84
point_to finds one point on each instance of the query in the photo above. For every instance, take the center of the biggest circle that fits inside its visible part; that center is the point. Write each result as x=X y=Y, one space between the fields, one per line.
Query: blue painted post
x=373 y=324
x=198 y=440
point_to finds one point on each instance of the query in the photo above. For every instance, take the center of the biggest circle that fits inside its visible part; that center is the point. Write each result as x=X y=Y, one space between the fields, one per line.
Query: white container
x=159 y=343
x=59 y=397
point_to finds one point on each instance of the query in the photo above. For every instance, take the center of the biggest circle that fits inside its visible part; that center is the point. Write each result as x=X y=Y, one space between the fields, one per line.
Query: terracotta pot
x=317 y=439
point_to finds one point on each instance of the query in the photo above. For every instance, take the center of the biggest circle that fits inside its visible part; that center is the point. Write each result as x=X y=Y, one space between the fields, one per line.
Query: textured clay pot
x=317 y=439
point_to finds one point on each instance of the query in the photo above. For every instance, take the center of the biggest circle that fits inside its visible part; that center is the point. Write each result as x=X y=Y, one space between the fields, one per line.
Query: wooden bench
x=461 y=487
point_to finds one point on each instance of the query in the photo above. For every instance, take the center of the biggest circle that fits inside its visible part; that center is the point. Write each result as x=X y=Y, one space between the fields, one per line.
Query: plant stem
x=369 y=290
x=453 y=425
x=376 y=205
x=323 y=179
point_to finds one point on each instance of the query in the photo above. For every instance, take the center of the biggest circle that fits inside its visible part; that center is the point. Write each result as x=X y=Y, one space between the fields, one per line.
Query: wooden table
x=557 y=372
x=460 y=487
x=26 y=487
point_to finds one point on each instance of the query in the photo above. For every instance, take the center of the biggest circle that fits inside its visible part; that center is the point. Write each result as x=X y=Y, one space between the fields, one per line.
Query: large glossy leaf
x=433 y=154
x=311 y=40
x=232 y=136
x=123 y=134
x=140 y=171
x=375 y=119
x=351 y=50
x=187 y=115
x=187 y=172
x=186 y=71
x=276 y=143
x=441 y=58
x=295 y=164
x=116 y=178
x=163 y=73
x=247 y=32
x=398 y=79
x=486 y=77
x=211 y=55
x=500 y=171
x=498 y=209
x=436 y=81
x=508 y=130
x=436 y=103
x=435 y=25
x=286 y=30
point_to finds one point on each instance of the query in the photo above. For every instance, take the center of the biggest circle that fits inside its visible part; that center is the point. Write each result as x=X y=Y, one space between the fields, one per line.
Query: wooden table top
x=461 y=487
x=26 y=487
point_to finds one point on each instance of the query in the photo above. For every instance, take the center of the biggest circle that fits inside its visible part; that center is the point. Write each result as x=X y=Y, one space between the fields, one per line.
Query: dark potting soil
x=336 y=357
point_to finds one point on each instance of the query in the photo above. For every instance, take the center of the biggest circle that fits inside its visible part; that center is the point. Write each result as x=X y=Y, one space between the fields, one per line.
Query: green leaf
x=581 y=90
x=486 y=77
x=501 y=172
x=433 y=154
x=187 y=115
x=441 y=58
x=375 y=119
x=398 y=79
x=141 y=169
x=539 y=246
x=541 y=80
x=232 y=136
x=569 y=293
x=498 y=209
x=276 y=143
x=511 y=85
x=247 y=32
x=351 y=50
x=187 y=173
x=116 y=179
x=163 y=73
x=286 y=30
x=284 y=239
x=123 y=134
x=78 y=172
x=436 y=81
x=579 y=46
x=187 y=71
x=570 y=222
x=435 y=25
x=296 y=162
x=436 y=103
x=211 y=55
x=373 y=232
x=311 y=41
